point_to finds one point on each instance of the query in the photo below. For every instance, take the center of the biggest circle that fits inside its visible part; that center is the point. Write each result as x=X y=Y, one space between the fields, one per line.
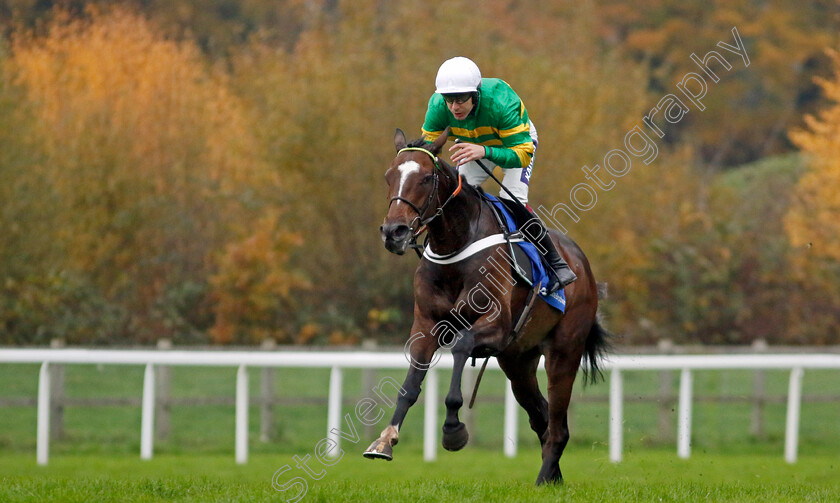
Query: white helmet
x=458 y=75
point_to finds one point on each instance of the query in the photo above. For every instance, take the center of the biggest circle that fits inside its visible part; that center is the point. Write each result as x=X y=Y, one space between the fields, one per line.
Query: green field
x=98 y=457
x=471 y=475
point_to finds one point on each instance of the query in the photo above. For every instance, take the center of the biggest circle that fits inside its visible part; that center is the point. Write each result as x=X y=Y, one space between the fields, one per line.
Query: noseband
x=421 y=211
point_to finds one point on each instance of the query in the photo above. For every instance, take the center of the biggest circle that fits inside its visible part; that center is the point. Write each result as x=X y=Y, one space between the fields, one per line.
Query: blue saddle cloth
x=539 y=274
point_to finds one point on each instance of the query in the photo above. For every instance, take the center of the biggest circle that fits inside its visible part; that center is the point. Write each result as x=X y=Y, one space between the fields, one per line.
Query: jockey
x=491 y=122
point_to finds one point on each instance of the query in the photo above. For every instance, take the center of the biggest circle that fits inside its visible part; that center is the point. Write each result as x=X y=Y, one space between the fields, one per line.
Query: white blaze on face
x=406 y=170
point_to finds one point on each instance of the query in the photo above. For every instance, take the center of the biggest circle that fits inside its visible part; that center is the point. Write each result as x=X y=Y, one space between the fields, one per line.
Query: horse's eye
x=428 y=179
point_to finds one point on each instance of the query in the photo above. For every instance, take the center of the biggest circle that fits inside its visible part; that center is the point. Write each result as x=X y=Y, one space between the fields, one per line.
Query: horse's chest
x=464 y=299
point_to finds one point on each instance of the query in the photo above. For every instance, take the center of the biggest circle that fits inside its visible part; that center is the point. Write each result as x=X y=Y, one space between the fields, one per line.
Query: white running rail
x=617 y=365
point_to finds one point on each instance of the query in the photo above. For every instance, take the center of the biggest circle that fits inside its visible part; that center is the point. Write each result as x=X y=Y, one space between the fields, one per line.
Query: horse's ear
x=399 y=139
x=437 y=146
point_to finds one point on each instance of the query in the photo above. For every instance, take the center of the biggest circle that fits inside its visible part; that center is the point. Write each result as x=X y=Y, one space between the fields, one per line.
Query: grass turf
x=98 y=457
x=470 y=475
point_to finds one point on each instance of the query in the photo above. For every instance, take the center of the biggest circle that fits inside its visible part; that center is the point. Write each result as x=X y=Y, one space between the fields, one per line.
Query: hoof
x=380 y=449
x=456 y=438
x=552 y=476
x=558 y=482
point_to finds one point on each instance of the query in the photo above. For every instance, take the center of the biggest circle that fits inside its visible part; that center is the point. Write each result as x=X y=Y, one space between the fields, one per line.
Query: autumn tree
x=747 y=120
x=813 y=221
x=150 y=165
x=26 y=250
x=253 y=286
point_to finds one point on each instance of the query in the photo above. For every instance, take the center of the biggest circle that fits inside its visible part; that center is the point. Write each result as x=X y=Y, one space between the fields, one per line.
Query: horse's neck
x=459 y=225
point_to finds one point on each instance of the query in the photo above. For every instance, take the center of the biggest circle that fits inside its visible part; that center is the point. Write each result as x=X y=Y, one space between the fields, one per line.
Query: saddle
x=525 y=259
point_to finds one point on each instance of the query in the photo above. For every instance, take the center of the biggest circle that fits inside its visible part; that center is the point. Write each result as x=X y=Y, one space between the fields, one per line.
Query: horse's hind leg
x=562 y=361
x=521 y=370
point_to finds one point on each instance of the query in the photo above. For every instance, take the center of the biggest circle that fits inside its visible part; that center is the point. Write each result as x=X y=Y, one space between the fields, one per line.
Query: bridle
x=422 y=211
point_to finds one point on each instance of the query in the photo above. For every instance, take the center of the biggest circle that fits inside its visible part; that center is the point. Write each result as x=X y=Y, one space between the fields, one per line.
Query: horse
x=469 y=307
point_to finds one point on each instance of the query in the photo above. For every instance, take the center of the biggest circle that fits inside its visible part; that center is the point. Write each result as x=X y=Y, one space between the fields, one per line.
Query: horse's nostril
x=394 y=232
x=400 y=232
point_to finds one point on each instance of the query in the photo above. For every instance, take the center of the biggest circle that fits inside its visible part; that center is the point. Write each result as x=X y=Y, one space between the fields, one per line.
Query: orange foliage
x=814 y=219
x=152 y=162
x=252 y=284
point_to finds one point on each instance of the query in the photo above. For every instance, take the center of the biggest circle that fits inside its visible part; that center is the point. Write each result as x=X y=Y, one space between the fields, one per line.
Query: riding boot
x=528 y=221
x=563 y=274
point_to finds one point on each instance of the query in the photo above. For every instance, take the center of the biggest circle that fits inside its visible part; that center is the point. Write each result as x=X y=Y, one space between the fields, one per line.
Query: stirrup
x=555 y=283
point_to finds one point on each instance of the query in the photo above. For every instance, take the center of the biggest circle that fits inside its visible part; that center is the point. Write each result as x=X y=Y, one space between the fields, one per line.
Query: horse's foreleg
x=421 y=356
x=455 y=435
x=382 y=447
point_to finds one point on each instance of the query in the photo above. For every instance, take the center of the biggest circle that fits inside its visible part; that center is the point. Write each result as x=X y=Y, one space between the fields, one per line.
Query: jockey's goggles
x=457 y=98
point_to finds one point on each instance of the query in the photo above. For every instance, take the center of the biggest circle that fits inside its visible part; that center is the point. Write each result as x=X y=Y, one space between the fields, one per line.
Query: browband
x=418 y=149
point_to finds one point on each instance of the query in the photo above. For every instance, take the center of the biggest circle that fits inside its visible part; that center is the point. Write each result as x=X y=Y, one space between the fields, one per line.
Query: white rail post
x=511 y=422
x=147 y=421
x=43 y=440
x=794 y=406
x=616 y=415
x=684 y=417
x=430 y=413
x=334 y=410
x=242 y=415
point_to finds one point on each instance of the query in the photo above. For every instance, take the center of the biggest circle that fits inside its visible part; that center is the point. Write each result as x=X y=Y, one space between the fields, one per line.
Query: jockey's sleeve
x=514 y=130
x=436 y=119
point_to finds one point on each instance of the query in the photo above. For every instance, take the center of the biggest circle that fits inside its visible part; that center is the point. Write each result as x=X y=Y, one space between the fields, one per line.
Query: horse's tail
x=598 y=344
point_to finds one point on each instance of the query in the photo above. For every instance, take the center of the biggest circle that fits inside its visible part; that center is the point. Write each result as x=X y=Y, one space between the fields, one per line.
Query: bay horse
x=460 y=305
